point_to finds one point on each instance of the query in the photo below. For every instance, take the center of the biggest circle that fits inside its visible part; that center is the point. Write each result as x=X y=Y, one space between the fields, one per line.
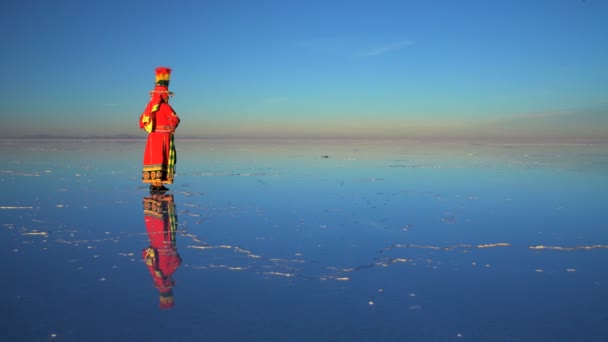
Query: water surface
x=306 y=241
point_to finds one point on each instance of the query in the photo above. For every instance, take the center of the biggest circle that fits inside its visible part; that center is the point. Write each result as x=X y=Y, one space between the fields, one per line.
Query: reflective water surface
x=305 y=241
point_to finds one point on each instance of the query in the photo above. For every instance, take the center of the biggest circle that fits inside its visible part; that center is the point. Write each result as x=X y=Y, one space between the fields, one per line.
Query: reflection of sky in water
x=377 y=241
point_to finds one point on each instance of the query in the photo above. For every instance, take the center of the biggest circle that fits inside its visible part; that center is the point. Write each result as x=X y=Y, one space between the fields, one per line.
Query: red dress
x=161 y=256
x=160 y=121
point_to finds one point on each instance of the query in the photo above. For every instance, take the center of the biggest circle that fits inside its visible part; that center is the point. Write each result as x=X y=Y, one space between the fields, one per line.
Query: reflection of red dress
x=161 y=256
x=160 y=121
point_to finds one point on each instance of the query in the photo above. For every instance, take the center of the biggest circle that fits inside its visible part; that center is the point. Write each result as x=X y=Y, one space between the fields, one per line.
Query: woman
x=160 y=121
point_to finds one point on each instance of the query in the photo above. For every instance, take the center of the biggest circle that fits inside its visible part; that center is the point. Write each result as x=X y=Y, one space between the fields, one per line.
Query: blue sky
x=328 y=69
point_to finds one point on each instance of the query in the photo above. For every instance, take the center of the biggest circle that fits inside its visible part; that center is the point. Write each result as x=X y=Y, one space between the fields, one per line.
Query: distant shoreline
x=447 y=140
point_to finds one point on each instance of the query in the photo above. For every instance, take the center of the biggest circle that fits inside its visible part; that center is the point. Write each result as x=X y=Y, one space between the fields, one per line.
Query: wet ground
x=305 y=241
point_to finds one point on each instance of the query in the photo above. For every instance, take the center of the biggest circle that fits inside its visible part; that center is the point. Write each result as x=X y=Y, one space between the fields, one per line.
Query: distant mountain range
x=580 y=125
x=109 y=137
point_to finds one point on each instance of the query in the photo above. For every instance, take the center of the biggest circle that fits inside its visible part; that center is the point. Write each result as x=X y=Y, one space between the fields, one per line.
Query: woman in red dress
x=160 y=121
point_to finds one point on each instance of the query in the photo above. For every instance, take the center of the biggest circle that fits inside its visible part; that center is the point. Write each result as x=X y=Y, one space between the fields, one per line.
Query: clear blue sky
x=309 y=68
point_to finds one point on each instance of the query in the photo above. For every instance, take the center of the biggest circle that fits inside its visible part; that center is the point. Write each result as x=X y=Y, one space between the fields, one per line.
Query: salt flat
x=307 y=241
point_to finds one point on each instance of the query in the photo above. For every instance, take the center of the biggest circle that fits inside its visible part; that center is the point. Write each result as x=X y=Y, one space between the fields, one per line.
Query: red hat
x=161 y=86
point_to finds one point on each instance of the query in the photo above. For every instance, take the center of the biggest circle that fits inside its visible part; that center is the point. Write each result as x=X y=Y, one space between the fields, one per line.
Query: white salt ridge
x=35 y=233
x=280 y=274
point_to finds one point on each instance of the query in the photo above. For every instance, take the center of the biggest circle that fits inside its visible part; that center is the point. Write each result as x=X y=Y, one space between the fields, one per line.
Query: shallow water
x=306 y=241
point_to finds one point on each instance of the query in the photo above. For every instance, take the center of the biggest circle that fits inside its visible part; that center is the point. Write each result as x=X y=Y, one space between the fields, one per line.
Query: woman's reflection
x=161 y=256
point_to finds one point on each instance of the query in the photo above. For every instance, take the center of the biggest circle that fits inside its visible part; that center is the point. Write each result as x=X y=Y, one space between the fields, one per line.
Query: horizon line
x=472 y=139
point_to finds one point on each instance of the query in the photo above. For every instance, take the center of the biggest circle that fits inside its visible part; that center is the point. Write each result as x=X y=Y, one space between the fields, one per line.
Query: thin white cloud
x=344 y=46
x=384 y=49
